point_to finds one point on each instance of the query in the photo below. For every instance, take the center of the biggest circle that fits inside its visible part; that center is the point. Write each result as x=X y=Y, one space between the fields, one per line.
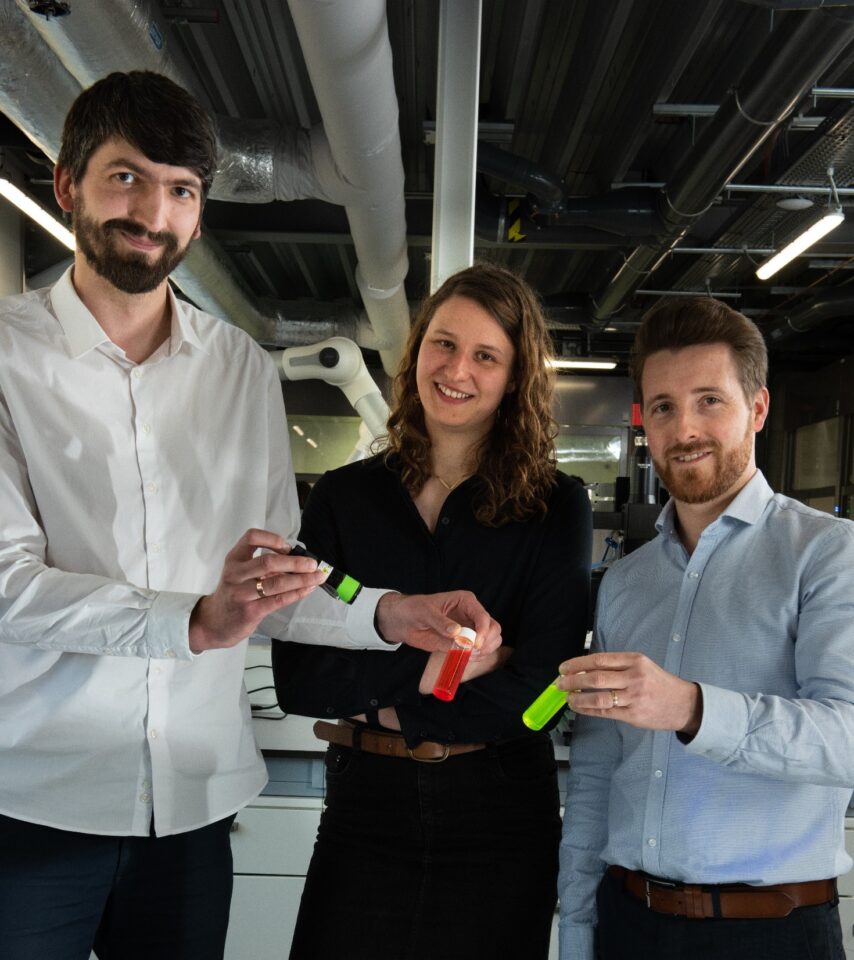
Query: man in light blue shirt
x=712 y=759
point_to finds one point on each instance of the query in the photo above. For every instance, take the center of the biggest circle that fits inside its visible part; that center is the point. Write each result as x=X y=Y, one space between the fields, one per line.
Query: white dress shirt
x=122 y=487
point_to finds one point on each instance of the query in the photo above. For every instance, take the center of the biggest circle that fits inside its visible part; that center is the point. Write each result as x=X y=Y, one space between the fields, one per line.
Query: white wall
x=11 y=259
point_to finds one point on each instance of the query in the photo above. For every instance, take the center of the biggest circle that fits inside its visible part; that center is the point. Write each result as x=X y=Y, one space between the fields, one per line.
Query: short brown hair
x=152 y=113
x=516 y=465
x=677 y=322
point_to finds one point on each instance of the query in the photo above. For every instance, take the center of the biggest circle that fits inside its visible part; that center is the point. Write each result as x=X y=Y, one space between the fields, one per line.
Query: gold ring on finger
x=615 y=699
x=259 y=589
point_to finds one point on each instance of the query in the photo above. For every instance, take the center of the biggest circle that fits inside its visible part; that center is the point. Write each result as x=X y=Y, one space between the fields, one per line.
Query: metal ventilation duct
x=796 y=54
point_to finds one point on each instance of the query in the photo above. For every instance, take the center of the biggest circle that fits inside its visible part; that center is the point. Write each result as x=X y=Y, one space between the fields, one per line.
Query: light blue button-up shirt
x=761 y=615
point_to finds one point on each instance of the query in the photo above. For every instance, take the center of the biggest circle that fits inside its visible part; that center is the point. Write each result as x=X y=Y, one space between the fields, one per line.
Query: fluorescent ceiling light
x=831 y=219
x=581 y=363
x=37 y=213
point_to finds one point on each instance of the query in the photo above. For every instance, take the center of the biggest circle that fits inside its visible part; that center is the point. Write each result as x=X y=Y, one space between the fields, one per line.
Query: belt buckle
x=658 y=883
x=446 y=752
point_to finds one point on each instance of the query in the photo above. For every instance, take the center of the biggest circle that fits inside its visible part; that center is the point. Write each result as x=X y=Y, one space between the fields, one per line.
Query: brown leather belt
x=731 y=901
x=346 y=734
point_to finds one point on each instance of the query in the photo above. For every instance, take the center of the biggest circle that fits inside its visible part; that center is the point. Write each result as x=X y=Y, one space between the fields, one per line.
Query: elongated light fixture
x=29 y=207
x=581 y=363
x=829 y=220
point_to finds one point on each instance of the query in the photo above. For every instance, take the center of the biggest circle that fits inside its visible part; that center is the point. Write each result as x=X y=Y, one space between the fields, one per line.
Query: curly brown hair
x=516 y=460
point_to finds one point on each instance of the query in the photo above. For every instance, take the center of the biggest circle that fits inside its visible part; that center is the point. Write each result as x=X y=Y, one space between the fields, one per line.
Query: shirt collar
x=84 y=333
x=81 y=329
x=748 y=505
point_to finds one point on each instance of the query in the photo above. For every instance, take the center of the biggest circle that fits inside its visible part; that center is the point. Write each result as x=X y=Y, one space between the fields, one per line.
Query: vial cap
x=466 y=637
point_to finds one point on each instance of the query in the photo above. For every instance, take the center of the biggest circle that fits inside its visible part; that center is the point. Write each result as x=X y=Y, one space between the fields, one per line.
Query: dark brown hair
x=152 y=113
x=516 y=460
x=677 y=322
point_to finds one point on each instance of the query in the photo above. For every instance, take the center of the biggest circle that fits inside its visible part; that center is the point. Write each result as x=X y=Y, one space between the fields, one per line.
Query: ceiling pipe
x=547 y=215
x=348 y=56
x=827 y=305
x=799 y=4
x=793 y=58
x=503 y=165
x=587 y=223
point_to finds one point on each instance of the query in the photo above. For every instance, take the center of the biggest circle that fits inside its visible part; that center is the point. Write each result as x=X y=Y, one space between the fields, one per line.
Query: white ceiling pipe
x=348 y=56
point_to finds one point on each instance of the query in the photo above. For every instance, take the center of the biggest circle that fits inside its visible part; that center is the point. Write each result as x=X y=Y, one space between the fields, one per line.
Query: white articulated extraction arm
x=337 y=361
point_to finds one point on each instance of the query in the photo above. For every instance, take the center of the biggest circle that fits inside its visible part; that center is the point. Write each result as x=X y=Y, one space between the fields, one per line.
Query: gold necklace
x=450 y=486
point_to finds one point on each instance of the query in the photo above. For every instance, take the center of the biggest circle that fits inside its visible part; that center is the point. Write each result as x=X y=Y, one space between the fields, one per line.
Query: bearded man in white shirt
x=144 y=463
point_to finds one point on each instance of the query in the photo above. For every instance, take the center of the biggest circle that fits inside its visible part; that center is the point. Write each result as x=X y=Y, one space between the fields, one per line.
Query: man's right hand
x=251 y=588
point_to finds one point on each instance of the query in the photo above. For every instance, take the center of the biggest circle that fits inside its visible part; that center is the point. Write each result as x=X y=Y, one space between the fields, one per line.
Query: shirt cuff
x=167 y=631
x=361 y=614
x=724 y=724
x=576 y=942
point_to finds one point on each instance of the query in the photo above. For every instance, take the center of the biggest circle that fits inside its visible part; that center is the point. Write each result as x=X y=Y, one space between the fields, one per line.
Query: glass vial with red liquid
x=455 y=662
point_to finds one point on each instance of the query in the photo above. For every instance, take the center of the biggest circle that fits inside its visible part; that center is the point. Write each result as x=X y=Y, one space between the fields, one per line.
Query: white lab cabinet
x=271 y=842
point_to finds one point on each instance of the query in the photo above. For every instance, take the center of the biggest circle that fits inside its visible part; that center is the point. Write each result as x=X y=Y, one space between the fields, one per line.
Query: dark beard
x=128 y=272
x=688 y=487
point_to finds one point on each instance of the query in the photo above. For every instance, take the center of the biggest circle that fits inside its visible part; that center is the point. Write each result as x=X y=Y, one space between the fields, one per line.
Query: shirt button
x=659 y=773
x=146 y=428
x=152 y=734
x=151 y=487
x=171 y=654
x=677 y=637
x=651 y=841
x=445 y=521
x=373 y=703
x=156 y=670
x=137 y=373
x=693 y=575
x=146 y=784
x=155 y=548
x=145 y=797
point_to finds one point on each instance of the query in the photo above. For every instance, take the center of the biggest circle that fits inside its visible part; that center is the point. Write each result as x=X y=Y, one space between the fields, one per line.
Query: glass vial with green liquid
x=337 y=584
x=544 y=707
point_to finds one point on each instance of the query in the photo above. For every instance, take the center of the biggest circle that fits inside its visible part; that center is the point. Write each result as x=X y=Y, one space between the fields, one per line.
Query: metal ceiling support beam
x=348 y=56
x=796 y=54
x=457 y=100
x=787 y=188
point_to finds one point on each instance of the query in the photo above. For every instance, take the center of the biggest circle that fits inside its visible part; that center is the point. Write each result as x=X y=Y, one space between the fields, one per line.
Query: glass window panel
x=825 y=504
x=320 y=443
x=816 y=447
x=593 y=457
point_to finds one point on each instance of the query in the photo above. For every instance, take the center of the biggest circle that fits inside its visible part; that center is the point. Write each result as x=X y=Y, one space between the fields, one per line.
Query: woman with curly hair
x=441 y=829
